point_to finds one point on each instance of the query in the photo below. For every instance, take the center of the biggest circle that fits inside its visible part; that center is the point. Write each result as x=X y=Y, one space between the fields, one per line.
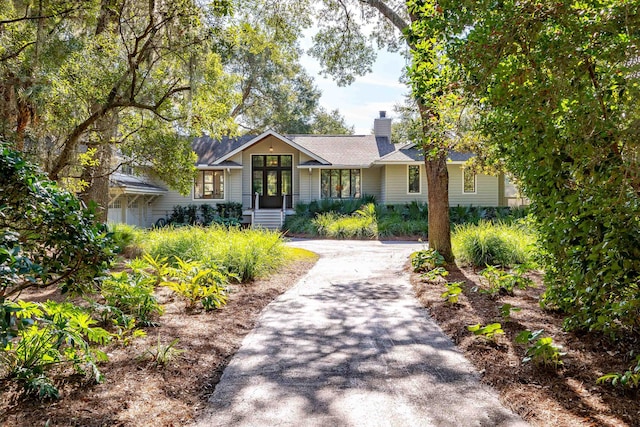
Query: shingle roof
x=409 y=153
x=209 y=149
x=130 y=183
x=342 y=150
x=346 y=150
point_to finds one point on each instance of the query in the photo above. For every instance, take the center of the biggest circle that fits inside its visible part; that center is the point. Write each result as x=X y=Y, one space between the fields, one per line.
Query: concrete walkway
x=349 y=345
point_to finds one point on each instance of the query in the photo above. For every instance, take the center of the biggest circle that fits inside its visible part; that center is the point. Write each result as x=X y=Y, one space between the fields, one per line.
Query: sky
x=361 y=102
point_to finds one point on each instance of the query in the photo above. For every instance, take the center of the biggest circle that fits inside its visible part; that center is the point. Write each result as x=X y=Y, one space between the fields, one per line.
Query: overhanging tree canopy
x=557 y=87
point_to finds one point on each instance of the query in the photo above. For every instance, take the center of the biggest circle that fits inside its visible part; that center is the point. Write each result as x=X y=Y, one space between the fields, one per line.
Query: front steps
x=268 y=218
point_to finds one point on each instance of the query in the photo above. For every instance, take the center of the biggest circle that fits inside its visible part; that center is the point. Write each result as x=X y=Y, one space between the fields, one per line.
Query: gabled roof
x=264 y=135
x=345 y=150
x=324 y=150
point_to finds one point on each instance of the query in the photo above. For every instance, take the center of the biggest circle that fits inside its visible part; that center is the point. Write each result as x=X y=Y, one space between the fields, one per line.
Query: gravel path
x=349 y=345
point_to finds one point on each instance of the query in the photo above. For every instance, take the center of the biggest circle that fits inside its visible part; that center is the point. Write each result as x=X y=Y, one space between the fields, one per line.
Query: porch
x=271 y=218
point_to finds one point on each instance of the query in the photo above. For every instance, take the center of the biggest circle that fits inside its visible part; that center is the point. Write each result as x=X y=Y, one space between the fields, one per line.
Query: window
x=414 y=179
x=340 y=183
x=468 y=181
x=116 y=204
x=209 y=185
x=126 y=169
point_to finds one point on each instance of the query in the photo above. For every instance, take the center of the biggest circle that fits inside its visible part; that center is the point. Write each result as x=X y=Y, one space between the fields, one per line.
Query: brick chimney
x=382 y=125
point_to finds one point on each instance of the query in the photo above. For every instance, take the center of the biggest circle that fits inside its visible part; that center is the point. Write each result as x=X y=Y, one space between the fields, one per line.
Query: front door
x=272 y=177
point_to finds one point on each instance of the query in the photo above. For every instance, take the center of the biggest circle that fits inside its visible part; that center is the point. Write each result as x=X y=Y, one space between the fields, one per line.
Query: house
x=270 y=173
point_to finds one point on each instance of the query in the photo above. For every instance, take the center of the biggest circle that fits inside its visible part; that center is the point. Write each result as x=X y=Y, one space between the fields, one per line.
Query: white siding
x=486 y=189
x=371 y=181
x=383 y=185
x=396 y=185
x=163 y=205
x=309 y=185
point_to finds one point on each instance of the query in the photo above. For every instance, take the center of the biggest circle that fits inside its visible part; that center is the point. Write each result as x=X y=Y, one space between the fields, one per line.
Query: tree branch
x=388 y=13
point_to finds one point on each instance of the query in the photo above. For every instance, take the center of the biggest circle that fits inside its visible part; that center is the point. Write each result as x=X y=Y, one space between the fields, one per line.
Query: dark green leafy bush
x=46 y=236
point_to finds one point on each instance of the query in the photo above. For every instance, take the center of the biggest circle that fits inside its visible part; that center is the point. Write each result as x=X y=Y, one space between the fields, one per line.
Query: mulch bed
x=544 y=396
x=138 y=392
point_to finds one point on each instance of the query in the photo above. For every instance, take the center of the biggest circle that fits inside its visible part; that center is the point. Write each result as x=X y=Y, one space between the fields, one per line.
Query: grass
x=245 y=254
x=488 y=243
x=299 y=254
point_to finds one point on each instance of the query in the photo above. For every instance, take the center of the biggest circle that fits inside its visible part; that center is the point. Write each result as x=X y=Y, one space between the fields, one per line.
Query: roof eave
x=332 y=166
x=124 y=189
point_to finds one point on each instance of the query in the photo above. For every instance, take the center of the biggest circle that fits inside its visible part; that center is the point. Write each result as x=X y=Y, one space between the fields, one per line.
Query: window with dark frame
x=340 y=183
x=209 y=185
x=414 y=179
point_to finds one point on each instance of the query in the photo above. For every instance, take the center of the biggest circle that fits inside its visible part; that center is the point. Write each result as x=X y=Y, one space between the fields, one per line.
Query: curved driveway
x=349 y=345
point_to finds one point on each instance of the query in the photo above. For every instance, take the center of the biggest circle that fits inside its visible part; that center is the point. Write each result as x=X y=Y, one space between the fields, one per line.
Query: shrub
x=541 y=351
x=390 y=226
x=488 y=332
x=501 y=281
x=208 y=213
x=454 y=289
x=300 y=224
x=628 y=379
x=126 y=239
x=162 y=354
x=493 y=244
x=132 y=294
x=46 y=237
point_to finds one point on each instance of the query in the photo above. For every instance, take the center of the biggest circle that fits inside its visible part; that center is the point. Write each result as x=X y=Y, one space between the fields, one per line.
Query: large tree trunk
x=98 y=179
x=439 y=233
x=438 y=196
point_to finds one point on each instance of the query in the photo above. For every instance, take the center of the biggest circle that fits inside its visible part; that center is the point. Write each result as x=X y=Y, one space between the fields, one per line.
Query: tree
x=346 y=51
x=557 y=85
x=112 y=72
x=406 y=125
x=276 y=92
x=329 y=123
